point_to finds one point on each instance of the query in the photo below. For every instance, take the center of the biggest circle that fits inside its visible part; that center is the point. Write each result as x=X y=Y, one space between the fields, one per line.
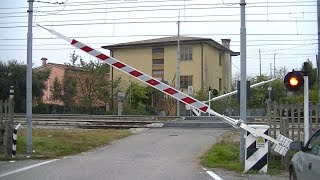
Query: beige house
x=204 y=63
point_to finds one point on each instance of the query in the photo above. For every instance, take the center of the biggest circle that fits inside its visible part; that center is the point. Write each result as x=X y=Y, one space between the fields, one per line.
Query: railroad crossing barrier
x=280 y=147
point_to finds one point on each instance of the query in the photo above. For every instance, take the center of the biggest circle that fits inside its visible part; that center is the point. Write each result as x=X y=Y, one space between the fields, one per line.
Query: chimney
x=226 y=43
x=44 y=61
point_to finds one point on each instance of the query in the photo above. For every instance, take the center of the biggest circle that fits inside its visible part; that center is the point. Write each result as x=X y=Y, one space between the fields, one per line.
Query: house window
x=185 y=81
x=220 y=84
x=157 y=61
x=157 y=50
x=185 y=53
x=158 y=74
x=220 y=59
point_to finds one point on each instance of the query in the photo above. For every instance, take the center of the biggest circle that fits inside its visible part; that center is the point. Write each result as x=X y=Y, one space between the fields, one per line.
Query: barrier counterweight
x=256 y=153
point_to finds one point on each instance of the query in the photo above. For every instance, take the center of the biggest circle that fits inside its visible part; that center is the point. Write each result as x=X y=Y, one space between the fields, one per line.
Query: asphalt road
x=163 y=154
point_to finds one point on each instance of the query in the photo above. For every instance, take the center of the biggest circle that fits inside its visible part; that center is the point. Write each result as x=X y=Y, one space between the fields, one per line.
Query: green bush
x=41 y=109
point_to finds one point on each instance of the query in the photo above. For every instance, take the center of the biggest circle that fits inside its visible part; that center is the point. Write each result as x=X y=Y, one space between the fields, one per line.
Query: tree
x=307 y=65
x=136 y=99
x=38 y=84
x=169 y=104
x=105 y=92
x=259 y=95
x=85 y=84
x=14 y=73
x=65 y=91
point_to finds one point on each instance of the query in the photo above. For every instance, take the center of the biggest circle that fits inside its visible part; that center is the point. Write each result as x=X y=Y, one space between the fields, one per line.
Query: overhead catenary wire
x=163 y=35
x=98 y=3
x=160 y=22
x=230 y=34
x=148 y=9
x=95 y=43
x=156 y=17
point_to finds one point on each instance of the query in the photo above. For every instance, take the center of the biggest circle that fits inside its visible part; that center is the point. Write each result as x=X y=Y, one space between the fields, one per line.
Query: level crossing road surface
x=164 y=154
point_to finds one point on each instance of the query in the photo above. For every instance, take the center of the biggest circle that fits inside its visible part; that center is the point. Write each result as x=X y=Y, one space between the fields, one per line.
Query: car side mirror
x=297 y=145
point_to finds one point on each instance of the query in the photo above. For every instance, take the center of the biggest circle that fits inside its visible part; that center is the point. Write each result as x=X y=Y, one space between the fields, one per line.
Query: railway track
x=113 y=121
x=95 y=121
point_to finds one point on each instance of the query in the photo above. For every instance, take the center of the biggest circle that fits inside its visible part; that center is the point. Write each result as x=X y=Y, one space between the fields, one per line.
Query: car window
x=314 y=144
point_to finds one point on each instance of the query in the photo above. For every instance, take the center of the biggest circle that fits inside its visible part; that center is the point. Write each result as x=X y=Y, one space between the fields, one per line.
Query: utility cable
x=158 y=22
x=156 y=17
x=156 y=8
x=163 y=35
x=98 y=3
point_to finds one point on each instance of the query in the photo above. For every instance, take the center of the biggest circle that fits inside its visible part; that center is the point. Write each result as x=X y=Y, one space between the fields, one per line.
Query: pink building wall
x=56 y=72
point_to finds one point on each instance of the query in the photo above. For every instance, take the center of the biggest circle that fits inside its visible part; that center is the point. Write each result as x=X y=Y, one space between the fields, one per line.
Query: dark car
x=305 y=164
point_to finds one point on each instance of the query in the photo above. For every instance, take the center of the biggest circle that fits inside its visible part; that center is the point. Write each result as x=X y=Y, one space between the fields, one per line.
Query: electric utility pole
x=318 y=56
x=178 y=64
x=243 y=80
x=29 y=80
x=274 y=65
x=260 y=61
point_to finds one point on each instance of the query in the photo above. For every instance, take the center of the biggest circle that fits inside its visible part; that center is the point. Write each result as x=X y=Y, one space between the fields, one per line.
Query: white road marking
x=27 y=167
x=213 y=175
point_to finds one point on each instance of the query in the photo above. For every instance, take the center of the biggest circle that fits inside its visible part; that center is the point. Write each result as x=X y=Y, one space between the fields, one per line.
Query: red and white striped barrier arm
x=161 y=86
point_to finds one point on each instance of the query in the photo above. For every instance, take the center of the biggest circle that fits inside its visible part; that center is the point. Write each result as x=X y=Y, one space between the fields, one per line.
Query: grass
x=55 y=143
x=225 y=155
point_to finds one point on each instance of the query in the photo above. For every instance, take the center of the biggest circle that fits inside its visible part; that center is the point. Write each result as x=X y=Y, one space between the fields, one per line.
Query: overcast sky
x=284 y=29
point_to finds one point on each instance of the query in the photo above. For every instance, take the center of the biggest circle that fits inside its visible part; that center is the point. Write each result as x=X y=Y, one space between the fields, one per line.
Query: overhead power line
x=94 y=43
x=156 y=17
x=185 y=3
x=172 y=7
x=163 y=21
x=232 y=43
x=148 y=9
x=164 y=35
x=285 y=57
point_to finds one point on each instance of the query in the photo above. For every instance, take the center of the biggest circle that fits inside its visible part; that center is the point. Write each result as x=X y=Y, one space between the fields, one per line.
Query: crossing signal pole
x=293 y=81
x=306 y=108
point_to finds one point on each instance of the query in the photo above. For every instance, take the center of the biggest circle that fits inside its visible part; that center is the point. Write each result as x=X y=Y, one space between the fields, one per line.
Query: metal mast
x=318 y=56
x=260 y=62
x=29 y=80
x=243 y=80
x=178 y=64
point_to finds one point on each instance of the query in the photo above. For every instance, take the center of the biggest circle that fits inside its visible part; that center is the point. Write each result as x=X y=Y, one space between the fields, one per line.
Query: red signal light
x=293 y=80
